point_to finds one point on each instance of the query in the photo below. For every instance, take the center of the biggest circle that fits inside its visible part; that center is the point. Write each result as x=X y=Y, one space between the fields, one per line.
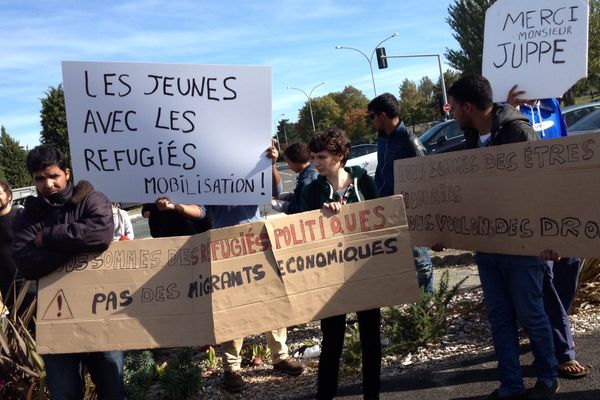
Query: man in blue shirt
x=222 y=216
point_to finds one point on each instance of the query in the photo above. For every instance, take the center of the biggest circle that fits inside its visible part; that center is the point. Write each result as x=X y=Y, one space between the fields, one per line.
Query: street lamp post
x=369 y=59
x=284 y=130
x=309 y=98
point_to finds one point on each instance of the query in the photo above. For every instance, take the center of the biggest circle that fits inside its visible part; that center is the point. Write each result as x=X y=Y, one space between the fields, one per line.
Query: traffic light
x=381 y=58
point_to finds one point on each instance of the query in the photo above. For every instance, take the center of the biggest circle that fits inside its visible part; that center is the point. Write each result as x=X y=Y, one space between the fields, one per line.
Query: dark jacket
x=83 y=223
x=395 y=146
x=8 y=267
x=170 y=223
x=304 y=178
x=320 y=191
x=508 y=126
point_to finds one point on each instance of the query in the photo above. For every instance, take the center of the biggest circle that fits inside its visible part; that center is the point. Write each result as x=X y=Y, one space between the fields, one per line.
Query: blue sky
x=296 y=38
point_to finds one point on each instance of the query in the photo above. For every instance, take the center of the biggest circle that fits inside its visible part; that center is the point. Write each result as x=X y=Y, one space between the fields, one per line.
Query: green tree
x=411 y=102
x=326 y=113
x=428 y=93
x=346 y=110
x=54 y=120
x=594 y=46
x=357 y=125
x=591 y=84
x=13 y=161
x=350 y=98
x=450 y=76
x=467 y=18
x=287 y=132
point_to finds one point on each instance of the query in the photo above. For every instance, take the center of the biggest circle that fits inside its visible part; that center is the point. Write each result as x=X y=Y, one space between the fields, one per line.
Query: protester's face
x=295 y=166
x=325 y=162
x=460 y=113
x=51 y=180
x=5 y=200
x=377 y=119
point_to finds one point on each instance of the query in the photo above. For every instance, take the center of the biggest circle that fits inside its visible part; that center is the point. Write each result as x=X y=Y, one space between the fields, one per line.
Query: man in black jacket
x=7 y=216
x=65 y=220
x=512 y=285
x=395 y=142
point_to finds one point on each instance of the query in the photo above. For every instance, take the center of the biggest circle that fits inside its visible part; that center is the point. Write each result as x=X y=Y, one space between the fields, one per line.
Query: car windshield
x=432 y=131
x=591 y=121
x=362 y=150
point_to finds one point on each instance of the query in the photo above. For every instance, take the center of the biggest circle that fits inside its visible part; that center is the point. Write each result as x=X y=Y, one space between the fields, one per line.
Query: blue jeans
x=424 y=268
x=512 y=291
x=560 y=284
x=65 y=379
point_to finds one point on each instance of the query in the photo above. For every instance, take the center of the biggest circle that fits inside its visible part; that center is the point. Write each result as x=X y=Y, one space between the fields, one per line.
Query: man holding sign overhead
x=223 y=216
x=512 y=285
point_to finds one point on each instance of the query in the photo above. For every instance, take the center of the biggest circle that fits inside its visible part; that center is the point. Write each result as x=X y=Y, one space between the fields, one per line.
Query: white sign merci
x=193 y=133
x=541 y=45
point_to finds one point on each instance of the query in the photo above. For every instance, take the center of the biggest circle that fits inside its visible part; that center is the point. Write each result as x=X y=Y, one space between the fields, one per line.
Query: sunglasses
x=372 y=115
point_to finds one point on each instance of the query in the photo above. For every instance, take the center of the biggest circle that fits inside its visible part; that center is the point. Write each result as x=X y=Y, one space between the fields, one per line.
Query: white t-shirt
x=484 y=140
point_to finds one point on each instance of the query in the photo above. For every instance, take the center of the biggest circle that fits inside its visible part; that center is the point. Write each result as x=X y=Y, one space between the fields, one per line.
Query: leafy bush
x=352 y=354
x=177 y=378
x=422 y=322
x=140 y=372
x=21 y=367
x=255 y=354
x=588 y=293
x=211 y=361
x=183 y=376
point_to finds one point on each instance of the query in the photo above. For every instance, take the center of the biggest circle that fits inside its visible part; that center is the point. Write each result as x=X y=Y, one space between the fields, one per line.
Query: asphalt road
x=476 y=378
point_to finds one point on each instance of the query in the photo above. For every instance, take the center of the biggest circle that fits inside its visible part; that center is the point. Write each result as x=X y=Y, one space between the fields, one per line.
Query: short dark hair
x=297 y=152
x=332 y=140
x=6 y=187
x=43 y=156
x=386 y=103
x=474 y=89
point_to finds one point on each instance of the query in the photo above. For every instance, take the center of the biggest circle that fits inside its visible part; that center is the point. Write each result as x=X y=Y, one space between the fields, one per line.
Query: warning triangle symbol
x=58 y=308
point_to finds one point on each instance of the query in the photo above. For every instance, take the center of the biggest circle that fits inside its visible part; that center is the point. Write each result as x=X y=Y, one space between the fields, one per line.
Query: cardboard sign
x=193 y=133
x=518 y=199
x=231 y=282
x=531 y=43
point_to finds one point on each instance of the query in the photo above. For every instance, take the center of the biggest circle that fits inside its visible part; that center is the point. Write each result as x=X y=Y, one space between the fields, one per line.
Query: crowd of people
x=67 y=219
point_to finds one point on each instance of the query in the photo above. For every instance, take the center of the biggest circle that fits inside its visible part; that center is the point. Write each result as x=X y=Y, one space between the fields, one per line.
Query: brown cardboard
x=157 y=292
x=519 y=198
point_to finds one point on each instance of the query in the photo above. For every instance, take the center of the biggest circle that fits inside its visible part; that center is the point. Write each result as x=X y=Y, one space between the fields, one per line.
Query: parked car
x=364 y=155
x=20 y=194
x=588 y=124
x=443 y=137
x=573 y=114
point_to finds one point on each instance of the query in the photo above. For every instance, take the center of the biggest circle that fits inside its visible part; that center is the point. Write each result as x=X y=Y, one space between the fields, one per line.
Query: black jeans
x=333 y=329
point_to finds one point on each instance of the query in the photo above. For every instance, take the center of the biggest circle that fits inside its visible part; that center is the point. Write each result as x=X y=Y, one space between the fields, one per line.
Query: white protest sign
x=194 y=133
x=541 y=45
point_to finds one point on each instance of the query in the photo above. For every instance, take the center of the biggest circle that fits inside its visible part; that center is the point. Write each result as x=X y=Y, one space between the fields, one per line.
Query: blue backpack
x=546 y=118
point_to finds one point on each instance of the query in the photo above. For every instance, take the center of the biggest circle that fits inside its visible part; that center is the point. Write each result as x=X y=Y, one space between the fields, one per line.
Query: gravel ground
x=468 y=336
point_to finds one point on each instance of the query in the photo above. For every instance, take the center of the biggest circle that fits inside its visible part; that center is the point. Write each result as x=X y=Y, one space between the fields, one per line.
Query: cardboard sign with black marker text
x=519 y=198
x=229 y=283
